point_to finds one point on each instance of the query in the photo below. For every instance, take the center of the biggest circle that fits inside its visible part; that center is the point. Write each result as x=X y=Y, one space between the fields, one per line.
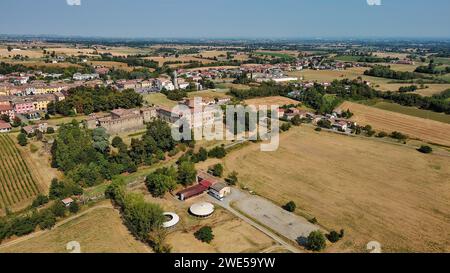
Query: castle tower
x=175 y=80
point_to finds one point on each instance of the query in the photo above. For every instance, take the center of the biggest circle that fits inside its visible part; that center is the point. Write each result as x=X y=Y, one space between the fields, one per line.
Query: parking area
x=276 y=218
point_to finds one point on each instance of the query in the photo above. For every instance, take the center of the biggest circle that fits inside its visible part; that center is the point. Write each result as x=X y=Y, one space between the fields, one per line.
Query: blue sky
x=227 y=18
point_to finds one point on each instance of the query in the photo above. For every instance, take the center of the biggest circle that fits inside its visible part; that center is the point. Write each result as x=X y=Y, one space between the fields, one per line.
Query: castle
x=122 y=120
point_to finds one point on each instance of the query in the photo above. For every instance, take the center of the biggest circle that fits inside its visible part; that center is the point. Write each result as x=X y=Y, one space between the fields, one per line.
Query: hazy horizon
x=231 y=19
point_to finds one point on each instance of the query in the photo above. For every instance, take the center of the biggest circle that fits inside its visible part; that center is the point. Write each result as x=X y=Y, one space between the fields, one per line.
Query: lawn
x=375 y=191
x=159 y=99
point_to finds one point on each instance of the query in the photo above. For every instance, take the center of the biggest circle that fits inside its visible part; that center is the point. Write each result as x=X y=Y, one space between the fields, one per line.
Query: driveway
x=268 y=217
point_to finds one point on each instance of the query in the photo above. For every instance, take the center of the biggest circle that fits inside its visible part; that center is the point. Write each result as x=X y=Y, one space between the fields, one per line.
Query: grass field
x=160 y=100
x=412 y=111
x=208 y=94
x=99 y=231
x=375 y=191
x=18 y=186
x=420 y=128
x=275 y=55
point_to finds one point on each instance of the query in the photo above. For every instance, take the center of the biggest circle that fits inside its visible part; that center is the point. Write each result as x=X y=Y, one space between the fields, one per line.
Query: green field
x=412 y=111
x=274 y=54
x=160 y=100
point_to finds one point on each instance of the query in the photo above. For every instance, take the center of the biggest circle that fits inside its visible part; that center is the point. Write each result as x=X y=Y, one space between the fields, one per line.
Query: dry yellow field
x=230 y=233
x=99 y=231
x=31 y=53
x=375 y=191
x=423 y=129
x=184 y=58
x=208 y=94
x=277 y=100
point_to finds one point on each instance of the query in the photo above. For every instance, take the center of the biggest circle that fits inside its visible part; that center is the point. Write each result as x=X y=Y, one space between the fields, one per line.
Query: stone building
x=122 y=120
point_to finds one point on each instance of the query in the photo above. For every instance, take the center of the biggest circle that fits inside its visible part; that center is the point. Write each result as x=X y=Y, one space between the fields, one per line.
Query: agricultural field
x=412 y=111
x=374 y=190
x=277 y=54
x=99 y=230
x=185 y=59
x=18 y=184
x=30 y=53
x=116 y=65
x=424 y=129
x=276 y=100
x=208 y=94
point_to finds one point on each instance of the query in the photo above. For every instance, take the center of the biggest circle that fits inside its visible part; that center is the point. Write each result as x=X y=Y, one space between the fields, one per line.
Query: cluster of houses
x=338 y=124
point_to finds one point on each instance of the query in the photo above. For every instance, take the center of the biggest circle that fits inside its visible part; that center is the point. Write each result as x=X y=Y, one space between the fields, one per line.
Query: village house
x=220 y=190
x=7 y=109
x=5 y=127
x=31 y=129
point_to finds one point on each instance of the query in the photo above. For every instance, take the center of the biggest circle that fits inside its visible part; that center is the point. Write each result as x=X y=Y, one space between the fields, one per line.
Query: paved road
x=237 y=195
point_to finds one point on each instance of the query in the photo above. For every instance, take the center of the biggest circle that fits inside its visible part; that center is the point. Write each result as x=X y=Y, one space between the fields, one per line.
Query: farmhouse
x=67 y=202
x=195 y=190
x=220 y=190
x=5 y=127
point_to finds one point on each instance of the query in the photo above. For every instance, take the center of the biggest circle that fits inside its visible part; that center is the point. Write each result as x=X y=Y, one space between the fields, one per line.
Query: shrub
x=217 y=152
x=39 y=201
x=382 y=135
x=316 y=241
x=313 y=221
x=22 y=139
x=291 y=206
x=425 y=149
x=318 y=129
x=116 y=142
x=216 y=170
x=232 y=178
x=74 y=207
x=50 y=130
x=333 y=236
x=285 y=127
x=204 y=234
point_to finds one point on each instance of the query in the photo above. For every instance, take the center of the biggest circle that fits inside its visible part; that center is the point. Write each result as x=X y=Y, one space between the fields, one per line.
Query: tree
x=285 y=127
x=58 y=209
x=216 y=170
x=232 y=178
x=217 y=152
x=425 y=149
x=316 y=241
x=291 y=206
x=202 y=154
x=116 y=142
x=296 y=121
x=140 y=217
x=50 y=130
x=22 y=139
x=101 y=140
x=16 y=122
x=47 y=220
x=205 y=234
x=39 y=201
x=5 y=118
x=158 y=184
x=74 y=207
x=186 y=173
x=333 y=236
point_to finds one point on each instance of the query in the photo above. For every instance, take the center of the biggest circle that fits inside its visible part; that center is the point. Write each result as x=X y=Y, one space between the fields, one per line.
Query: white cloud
x=73 y=2
x=374 y=2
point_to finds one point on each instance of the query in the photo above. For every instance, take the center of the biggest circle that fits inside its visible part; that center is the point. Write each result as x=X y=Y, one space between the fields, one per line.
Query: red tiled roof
x=4 y=125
